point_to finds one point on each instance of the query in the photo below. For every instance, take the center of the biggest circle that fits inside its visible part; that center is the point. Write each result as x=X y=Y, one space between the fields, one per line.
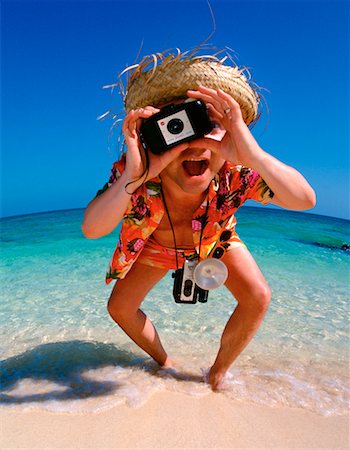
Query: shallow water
x=62 y=352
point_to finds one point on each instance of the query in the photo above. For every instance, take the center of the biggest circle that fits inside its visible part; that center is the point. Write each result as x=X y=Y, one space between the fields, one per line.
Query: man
x=180 y=204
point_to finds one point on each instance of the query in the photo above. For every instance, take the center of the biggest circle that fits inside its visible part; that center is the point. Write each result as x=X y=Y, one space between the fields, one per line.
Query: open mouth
x=195 y=167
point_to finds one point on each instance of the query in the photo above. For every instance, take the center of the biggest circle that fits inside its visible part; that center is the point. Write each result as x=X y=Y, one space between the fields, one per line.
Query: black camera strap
x=172 y=227
x=171 y=224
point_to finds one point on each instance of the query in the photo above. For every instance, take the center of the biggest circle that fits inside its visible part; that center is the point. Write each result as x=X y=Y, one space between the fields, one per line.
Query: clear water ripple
x=61 y=351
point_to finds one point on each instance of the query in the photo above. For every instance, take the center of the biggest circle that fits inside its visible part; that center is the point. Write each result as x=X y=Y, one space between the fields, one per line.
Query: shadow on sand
x=62 y=363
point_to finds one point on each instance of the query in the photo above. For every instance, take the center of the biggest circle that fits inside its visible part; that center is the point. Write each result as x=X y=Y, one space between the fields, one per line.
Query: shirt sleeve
x=116 y=171
x=255 y=187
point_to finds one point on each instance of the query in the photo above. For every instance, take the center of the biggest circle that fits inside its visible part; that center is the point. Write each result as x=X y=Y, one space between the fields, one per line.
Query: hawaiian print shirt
x=230 y=188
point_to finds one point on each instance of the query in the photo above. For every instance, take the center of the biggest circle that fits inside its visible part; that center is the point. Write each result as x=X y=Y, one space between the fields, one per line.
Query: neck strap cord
x=172 y=227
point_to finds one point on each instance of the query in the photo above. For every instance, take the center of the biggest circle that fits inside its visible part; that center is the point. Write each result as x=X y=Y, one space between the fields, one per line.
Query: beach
x=72 y=379
x=173 y=420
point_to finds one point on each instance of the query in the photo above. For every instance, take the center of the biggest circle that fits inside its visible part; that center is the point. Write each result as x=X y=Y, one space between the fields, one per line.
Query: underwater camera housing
x=185 y=289
x=175 y=124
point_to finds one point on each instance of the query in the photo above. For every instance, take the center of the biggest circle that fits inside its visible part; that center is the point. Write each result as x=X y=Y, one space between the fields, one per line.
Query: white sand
x=172 y=420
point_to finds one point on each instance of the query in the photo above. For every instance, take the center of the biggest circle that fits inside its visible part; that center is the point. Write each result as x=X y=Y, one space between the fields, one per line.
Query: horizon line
x=263 y=208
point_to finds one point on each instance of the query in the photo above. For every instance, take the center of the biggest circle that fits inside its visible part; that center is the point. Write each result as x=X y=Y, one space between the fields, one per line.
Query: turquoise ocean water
x=61 y=351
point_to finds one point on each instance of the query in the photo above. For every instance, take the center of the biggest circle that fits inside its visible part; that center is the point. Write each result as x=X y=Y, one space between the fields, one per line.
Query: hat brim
x=171 y=79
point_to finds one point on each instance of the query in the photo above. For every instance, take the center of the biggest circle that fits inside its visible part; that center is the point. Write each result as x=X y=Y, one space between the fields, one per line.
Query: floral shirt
x=230 y=188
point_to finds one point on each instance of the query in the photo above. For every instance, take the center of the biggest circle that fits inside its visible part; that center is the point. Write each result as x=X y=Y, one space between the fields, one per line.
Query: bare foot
x=168 y=364
x=216 y=380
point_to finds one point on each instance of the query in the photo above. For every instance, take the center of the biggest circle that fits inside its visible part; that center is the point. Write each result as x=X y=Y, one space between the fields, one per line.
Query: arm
x=291 y=189
x=106 y=211
x=238 y=146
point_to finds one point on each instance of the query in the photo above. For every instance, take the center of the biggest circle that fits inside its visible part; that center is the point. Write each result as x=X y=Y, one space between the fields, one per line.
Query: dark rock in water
x=343 y=247
x=2 y=239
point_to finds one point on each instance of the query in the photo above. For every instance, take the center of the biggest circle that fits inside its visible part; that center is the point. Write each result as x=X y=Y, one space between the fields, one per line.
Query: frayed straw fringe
x=141 y=83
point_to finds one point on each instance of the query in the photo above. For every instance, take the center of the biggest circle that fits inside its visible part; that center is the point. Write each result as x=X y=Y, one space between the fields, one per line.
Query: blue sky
x=56 y=56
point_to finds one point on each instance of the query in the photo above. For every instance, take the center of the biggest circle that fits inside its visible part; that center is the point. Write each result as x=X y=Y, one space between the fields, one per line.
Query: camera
x=175 y=124
x=185 y=289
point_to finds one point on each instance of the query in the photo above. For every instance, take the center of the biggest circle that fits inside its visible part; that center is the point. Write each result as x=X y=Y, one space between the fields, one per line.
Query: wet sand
x=173 y=420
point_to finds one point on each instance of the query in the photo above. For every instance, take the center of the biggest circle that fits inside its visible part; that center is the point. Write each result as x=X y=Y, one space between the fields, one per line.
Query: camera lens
x=188 y=288
x=175 y=126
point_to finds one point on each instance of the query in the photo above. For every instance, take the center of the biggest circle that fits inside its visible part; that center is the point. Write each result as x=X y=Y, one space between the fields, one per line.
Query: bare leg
x=123 y=306
x=247 y=284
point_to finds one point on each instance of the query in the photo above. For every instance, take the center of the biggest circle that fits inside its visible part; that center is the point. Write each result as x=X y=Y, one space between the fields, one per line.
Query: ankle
x=168 y=363
x=216 y=377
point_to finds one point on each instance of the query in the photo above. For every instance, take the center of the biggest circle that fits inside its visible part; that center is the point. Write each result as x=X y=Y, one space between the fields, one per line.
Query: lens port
x=188 y=288
x=175 y=126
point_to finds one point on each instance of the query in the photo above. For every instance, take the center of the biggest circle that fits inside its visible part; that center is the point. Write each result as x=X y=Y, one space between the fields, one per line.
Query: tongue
x=194 y=168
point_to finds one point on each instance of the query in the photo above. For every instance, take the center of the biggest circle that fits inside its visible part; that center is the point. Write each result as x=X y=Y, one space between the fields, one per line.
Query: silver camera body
x=185 y=288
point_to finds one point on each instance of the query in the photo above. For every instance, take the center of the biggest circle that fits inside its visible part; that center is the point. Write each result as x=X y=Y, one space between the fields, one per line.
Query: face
x=193 y=170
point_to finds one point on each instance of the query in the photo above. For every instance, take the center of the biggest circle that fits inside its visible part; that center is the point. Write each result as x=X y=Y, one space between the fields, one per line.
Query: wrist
x=247 y=150
x=130 y=183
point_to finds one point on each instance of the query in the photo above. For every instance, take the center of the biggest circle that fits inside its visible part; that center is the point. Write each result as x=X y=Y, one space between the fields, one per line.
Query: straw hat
x=173 y=74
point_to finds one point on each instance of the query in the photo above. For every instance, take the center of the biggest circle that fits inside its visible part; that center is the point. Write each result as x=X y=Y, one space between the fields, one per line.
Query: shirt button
x=225 y=235
x=218 y=252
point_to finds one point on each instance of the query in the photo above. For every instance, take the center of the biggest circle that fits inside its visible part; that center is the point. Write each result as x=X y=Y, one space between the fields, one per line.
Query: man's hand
x=224 y=109
x=135 y=154
x=239 y=146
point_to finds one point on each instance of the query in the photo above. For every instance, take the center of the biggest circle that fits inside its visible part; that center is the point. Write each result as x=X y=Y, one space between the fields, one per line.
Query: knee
x=111 y=307
x=264 y=297
x=258 y=298
x=117 y=311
